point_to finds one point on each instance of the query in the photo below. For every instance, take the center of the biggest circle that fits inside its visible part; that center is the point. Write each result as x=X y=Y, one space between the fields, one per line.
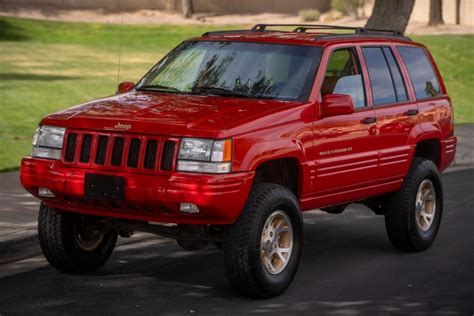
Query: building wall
x=421 y=11
x=218 y=6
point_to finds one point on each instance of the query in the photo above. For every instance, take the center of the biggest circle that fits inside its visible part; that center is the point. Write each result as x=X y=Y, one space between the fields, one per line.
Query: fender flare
x=262 y=152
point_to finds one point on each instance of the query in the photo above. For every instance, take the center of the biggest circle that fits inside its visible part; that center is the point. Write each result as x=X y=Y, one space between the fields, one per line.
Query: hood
x=165 y=114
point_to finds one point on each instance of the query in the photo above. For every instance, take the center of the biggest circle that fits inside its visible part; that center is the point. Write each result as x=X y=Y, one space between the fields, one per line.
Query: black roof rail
x=302 y=28
x=211 y=33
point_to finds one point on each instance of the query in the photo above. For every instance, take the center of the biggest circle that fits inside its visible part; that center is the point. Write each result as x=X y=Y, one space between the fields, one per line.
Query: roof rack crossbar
x=301 y=28
x=210 y=33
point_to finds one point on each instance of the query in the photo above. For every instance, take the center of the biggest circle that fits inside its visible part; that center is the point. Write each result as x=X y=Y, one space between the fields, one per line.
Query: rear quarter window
x=421 y=72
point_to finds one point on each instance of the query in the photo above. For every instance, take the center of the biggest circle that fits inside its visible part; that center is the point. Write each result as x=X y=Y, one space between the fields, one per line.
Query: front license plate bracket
x=104 y=187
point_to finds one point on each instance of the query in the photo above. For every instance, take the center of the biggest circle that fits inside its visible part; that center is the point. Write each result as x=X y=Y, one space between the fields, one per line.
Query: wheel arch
x=285 y=171
x=426 y=143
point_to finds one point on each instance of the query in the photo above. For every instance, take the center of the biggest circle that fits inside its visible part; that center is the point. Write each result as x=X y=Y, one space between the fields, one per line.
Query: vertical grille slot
x=70 y=147
x=133 y=153
x=101 y=150
x=150 y=154
x=86 y=148
x=168 y=154
x=117 y=152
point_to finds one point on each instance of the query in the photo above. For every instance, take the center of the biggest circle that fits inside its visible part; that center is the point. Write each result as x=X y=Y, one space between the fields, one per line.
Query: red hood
x=165 y=114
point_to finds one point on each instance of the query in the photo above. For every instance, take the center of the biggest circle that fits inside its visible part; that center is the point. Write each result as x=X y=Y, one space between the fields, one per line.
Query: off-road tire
x=242 y=241
x=56 y=237
x=400 y=215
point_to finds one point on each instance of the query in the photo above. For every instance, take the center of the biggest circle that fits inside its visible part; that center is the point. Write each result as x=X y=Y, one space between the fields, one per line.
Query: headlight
x=205 y=155
x=48 y=142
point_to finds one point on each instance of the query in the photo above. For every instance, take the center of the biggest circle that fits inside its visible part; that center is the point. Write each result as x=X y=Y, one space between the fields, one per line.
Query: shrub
x=308 y=15
x=347 y=7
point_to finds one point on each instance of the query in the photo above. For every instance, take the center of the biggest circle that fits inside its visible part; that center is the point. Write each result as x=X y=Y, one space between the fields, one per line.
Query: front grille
x=111 y=150
x=117 y=152
x=133 y=153
x=101 y=150
x=168 y=155
x=150 y=154
x=70 y=147
x=86 y=148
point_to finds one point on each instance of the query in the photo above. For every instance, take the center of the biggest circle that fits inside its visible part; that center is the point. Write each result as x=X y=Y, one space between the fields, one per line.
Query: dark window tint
x=400 y=90
x=383 y=89
x=421 y=72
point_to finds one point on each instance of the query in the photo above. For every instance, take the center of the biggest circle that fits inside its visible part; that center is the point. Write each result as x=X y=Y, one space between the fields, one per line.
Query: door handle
x=369 y=120
x=411 y=112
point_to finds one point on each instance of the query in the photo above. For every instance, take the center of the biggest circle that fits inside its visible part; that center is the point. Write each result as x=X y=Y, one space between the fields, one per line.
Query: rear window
x=422 y=75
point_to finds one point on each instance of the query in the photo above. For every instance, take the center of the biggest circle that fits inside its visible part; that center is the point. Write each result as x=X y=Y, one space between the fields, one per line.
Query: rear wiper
x=220 y=91
x=159 y=87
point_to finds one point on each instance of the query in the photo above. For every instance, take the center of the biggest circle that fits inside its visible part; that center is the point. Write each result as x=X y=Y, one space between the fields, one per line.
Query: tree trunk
x=187 y=8
x=436 y=12
x=391 y=15
x=458 y=12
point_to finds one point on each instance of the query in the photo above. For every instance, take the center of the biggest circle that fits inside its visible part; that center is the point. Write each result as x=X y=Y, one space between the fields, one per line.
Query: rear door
x=396 y=114
x=345 y=145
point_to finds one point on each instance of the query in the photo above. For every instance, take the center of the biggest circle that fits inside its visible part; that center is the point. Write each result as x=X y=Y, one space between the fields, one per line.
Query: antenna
x=120 y=45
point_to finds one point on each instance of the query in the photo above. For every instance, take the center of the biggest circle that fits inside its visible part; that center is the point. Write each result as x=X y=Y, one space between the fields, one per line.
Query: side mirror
x=124 y=87
x=337 y=104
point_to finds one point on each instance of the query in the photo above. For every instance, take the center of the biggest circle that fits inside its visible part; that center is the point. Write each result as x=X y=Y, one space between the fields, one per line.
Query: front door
x=345 y=145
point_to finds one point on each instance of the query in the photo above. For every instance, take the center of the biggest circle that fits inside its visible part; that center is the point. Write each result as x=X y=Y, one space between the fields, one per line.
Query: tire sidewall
x=278 y=282
x=425 y=239
x=87 y=259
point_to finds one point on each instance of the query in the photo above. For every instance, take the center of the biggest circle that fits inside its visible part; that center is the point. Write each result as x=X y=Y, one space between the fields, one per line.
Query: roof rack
x=211 y=33
x=303 y=28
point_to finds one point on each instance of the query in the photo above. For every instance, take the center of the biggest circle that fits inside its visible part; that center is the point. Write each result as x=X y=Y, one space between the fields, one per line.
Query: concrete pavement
x=348 y=267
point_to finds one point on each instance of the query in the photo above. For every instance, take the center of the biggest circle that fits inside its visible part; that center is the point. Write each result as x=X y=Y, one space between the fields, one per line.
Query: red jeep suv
x=232 y=135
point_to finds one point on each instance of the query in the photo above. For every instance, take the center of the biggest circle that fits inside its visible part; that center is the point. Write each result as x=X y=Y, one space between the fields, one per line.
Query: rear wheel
x=74 y=243
x=263 y=247
x=413 y=214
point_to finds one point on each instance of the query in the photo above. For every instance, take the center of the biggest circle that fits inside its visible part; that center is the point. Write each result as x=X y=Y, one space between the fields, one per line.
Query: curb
x=19 y=245
x=24 y=244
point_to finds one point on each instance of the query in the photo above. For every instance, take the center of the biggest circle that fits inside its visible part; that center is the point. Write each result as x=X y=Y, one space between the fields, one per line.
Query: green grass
x=47 y=66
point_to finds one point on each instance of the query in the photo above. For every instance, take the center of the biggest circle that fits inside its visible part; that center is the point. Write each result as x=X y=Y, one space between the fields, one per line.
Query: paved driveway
x=348 y=267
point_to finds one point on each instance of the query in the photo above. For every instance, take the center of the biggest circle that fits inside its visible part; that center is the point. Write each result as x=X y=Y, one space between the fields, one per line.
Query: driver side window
x=343 y=76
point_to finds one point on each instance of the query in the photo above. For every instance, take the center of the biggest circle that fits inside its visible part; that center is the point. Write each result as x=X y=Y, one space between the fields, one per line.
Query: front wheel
x=413 y=213
x=262 y=249
x=72 y=242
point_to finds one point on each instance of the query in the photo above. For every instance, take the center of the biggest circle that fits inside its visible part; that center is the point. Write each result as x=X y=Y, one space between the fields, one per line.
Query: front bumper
x=148 y=197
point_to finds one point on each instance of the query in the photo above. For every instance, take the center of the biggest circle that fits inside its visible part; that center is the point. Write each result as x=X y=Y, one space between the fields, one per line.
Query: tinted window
x=421 y=72
x=383 y=89
x=399 y=86
x=343 y=76
x=253 y=70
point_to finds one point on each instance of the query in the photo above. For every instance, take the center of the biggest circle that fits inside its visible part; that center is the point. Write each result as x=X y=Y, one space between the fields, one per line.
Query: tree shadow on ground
x=33 y=77
x=9 y=32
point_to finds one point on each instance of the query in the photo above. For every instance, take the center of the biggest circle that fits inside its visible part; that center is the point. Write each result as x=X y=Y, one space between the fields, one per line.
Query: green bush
x=308 y=15
x=347 y=7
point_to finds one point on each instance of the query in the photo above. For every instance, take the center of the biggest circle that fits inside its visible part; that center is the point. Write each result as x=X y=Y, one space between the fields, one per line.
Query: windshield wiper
x=220 y=91
x=159 y=87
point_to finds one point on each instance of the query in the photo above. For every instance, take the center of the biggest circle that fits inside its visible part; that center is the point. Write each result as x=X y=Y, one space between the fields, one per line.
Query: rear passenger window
x=421 y=72
x=383 y=87
x=398 y=84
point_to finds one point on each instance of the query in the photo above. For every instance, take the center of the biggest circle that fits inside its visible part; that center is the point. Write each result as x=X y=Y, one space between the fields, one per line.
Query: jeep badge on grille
x=123 y=126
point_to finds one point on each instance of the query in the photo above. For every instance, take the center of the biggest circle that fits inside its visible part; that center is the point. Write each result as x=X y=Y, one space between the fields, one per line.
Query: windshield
x=237 y=69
